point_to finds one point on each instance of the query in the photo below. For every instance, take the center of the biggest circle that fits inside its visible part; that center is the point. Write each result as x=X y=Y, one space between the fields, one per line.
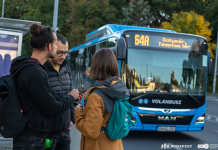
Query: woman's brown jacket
x=90 y=120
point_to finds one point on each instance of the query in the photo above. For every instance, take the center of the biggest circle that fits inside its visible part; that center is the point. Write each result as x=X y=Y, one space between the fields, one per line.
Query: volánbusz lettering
x=164 y=101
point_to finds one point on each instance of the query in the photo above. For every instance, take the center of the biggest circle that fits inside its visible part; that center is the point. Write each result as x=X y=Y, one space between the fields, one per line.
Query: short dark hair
x=104 y=65
x=41 y=36
x=62 y=39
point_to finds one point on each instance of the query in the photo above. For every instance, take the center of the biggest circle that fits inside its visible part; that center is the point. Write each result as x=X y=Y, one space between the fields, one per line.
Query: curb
x=5 y=139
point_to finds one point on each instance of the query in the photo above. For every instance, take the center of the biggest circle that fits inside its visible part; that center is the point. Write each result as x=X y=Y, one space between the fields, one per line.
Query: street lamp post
x=55 y=17
x=3 y=6
x=215 y=73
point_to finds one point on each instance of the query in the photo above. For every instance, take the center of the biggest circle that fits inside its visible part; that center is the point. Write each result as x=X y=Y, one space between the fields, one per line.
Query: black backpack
x=12 y=120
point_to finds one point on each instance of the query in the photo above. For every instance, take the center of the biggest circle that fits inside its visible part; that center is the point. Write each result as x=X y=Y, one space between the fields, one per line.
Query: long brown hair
x=104 y=65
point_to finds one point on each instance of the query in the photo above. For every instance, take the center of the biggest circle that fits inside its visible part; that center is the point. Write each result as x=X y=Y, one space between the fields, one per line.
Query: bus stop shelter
x=11 y=37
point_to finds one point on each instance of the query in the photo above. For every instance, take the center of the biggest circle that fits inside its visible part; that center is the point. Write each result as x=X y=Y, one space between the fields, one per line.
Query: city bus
x=165 y=72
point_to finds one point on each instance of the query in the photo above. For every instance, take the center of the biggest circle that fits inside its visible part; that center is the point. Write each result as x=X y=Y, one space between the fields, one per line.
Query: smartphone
x=81 y=91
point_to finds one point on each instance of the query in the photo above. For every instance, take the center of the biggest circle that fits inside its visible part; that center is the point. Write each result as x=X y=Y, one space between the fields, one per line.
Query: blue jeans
x=60 y=141
x=28 y=142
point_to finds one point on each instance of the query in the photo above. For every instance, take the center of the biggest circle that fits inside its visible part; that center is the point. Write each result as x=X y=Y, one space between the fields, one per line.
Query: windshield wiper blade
x=139 y=96
x=193 y=98
x=147 y=94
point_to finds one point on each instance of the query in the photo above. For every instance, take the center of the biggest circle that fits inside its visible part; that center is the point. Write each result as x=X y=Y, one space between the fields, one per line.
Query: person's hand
x=75 y=94
x=80 y=97
x=71 y=124
x=79 y=106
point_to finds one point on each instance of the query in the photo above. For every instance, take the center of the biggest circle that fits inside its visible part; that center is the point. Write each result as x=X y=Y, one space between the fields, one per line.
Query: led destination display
x=164 y=41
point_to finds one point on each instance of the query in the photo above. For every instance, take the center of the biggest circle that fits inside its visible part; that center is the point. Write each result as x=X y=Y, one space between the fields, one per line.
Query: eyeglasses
x=59 y=54
x=50 y=33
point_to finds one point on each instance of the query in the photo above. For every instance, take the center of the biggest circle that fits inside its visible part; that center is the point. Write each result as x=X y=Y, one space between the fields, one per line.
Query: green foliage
x=162 y=10
x=118 y=4
x=211 y=16
x=190 y=22
x=26 y=48
x=137 y=13
x=86 y=16
x=42 y=11
x=14 y=8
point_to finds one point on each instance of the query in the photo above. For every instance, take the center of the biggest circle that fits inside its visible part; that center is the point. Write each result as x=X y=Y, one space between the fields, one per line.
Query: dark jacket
x=60 y=84
x=34 y=93
x=97 y=113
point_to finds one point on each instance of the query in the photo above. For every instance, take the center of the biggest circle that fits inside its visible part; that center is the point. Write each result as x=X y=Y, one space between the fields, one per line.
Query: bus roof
x=115 y=27
x=115 y=32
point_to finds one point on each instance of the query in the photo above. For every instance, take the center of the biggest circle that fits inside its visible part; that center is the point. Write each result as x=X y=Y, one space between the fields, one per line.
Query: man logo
x=167 y=111
x=140 y=101
x=145 y=101
x=166 y=118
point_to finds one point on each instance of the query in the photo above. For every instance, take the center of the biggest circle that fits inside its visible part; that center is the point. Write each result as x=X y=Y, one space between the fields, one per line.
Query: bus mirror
x=121 y=48
x=210 y=65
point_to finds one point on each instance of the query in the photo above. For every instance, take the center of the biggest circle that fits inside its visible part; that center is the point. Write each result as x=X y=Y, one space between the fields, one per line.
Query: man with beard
x=34 y=92
x=60 y=81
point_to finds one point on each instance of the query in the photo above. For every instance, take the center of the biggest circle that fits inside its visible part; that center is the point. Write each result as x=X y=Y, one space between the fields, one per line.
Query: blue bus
x=165 y=72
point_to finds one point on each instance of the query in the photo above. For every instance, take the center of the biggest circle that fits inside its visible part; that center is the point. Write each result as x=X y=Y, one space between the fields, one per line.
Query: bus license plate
x=167 y=129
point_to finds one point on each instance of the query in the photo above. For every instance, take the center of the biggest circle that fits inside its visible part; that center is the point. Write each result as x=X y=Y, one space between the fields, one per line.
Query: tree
x=162 y=10
x=118 y=4
x=42 y=11
x=86 y=16
x=210 y=14
x=190 y=22
x=14 y=8
x=137 y=13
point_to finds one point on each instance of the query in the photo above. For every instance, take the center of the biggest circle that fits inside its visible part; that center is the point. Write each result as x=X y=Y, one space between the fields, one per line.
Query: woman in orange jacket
x=99 y=100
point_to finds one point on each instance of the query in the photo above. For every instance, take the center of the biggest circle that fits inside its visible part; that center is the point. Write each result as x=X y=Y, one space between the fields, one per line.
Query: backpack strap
x=108 y=102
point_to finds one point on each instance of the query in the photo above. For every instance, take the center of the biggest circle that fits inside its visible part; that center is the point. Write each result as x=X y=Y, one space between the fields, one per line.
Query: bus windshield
x=168 y=72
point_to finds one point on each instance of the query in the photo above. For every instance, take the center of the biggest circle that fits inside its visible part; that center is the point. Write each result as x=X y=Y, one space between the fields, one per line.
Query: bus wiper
x=147 y=94
x=193 y=98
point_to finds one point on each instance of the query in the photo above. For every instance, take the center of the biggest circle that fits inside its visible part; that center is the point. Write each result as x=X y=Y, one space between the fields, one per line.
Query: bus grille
x=165 y=119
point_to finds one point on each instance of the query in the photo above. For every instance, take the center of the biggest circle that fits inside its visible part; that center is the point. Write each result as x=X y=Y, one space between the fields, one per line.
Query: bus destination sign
x=162 y=41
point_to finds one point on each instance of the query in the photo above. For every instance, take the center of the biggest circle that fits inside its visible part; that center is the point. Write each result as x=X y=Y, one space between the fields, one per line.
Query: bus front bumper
x=191 y=126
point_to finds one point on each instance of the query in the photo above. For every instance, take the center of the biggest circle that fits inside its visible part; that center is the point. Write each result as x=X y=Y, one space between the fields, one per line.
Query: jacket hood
x=113 y=87
x=20 y=61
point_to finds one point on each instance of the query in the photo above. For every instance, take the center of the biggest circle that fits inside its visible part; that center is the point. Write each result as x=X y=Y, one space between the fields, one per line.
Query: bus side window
x=97 y=46
x=73 y=66
x=87 y=56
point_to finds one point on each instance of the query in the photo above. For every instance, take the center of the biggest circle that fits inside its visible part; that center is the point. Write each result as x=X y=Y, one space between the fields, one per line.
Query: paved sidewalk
x=5 y=144
x=75 y=138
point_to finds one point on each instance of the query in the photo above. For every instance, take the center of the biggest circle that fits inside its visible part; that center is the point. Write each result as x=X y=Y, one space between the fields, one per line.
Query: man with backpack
x=60 y=81
x=38 y=105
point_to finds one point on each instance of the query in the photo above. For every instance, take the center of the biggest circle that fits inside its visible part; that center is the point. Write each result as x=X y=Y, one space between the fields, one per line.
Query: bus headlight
x=200 y=119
